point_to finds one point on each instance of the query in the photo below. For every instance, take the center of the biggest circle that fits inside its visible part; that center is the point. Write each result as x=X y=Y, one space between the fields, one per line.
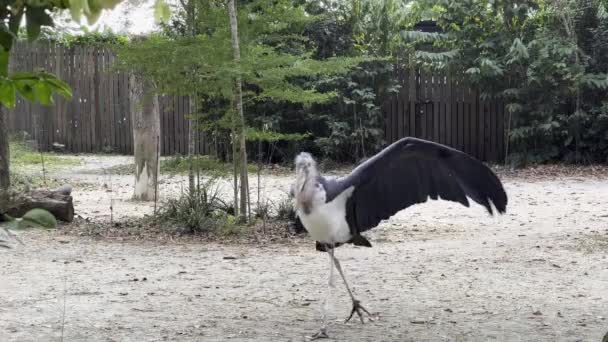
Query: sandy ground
x=437 y=272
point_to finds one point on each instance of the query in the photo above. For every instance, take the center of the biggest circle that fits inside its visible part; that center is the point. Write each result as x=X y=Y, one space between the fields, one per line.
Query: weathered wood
x=97 y=117
x=59 y=203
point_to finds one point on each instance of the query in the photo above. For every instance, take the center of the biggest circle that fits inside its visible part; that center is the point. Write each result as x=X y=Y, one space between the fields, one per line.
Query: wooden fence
x=432 y=106
x=439 y=107
x=97 y=118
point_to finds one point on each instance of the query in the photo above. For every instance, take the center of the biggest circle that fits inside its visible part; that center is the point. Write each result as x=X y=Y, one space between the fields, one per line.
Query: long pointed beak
x=304 y=184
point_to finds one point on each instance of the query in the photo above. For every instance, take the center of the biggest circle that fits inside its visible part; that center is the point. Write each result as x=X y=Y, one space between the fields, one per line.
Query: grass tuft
x=202 y=211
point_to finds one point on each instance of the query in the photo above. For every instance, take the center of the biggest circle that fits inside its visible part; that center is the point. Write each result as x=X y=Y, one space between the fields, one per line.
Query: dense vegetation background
x=324 y=68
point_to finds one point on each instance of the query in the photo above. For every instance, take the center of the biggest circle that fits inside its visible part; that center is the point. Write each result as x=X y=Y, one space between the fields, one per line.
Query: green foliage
x=201 y=211
x=88 y=39
x=547 y=61
x=285 y=209
x=37 y=86
x=278 y=67
x=270 y=136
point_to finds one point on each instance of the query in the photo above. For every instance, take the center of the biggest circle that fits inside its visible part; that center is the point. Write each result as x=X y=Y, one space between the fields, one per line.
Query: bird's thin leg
x=330 y=284
x=357 y=307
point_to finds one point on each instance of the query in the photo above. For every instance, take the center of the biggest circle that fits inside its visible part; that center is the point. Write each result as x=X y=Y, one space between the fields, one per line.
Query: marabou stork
x=336 y=211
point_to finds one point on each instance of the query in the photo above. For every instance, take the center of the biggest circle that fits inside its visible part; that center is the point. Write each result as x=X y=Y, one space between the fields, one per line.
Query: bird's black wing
x=409 y=172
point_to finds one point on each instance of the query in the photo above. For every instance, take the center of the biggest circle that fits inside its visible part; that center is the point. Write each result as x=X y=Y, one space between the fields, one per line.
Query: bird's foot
x=319 y=335
x=359 y=309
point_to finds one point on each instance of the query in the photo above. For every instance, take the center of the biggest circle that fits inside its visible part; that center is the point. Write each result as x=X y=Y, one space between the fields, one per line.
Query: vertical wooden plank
x=92 y=117
x=109 y=91
x=467 y=120
x=89 y=122
x=444 y=108
x=387 y=120
x=181 y=123
x=119 y=113
x=495 y=132
x=175 y=125
x=86 y=113
x=460 y=132
x=480 y=129
x=169 y=116
x=66 y=115
x=474 y=121
x=49 y=119
x=404 y=108
x=28 y=119
x=126 y=115
x=101 y=101
x=75 y=129
x=387 y=124
x=116 y=108
x=109 y=139
x=448 y=109
x=487 y=131
x=53 y=50
x=436 y=98
x=400 y=116
x=500 y=131
x=421 y=116
x=435 y=89
x=124 y=96
x=165 y=132
x=66 y=108
x=172 y=111
x=83 y=115
x=412 y=82
x=177 y=108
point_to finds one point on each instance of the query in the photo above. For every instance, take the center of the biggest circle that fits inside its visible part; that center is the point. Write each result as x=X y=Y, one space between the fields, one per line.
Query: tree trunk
x=240 y=118
x=145 y=116
x=5 y=180
x=191 y=22
x=59 y=203
x=191 y=142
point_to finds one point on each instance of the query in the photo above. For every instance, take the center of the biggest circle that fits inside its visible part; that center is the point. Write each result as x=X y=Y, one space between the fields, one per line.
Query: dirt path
x=437 y=272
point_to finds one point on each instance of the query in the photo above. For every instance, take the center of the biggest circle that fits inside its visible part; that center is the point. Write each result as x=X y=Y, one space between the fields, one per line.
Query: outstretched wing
x=410 y=171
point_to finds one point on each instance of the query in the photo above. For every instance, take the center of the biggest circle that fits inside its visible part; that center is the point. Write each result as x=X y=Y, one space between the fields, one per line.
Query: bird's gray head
x=306 y=165
x=306 y=174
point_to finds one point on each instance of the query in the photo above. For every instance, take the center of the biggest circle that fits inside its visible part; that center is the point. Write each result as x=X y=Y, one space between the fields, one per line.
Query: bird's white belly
x=326 y=222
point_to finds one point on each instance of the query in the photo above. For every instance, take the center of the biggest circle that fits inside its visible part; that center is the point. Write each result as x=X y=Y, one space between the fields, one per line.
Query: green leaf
x=43 y=93
x=57 y=85
x=4 y=59
x=7 y=93
x=26 y=89
x=38 y=218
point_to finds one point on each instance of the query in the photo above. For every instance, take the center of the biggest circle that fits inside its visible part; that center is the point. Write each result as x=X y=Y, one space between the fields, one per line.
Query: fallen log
x=57 y=202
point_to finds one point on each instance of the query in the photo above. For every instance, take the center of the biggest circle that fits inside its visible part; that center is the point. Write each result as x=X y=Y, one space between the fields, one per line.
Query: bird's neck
x=305 y=191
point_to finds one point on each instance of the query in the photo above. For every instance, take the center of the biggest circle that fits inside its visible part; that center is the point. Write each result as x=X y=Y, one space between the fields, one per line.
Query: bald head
x=305 y=164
